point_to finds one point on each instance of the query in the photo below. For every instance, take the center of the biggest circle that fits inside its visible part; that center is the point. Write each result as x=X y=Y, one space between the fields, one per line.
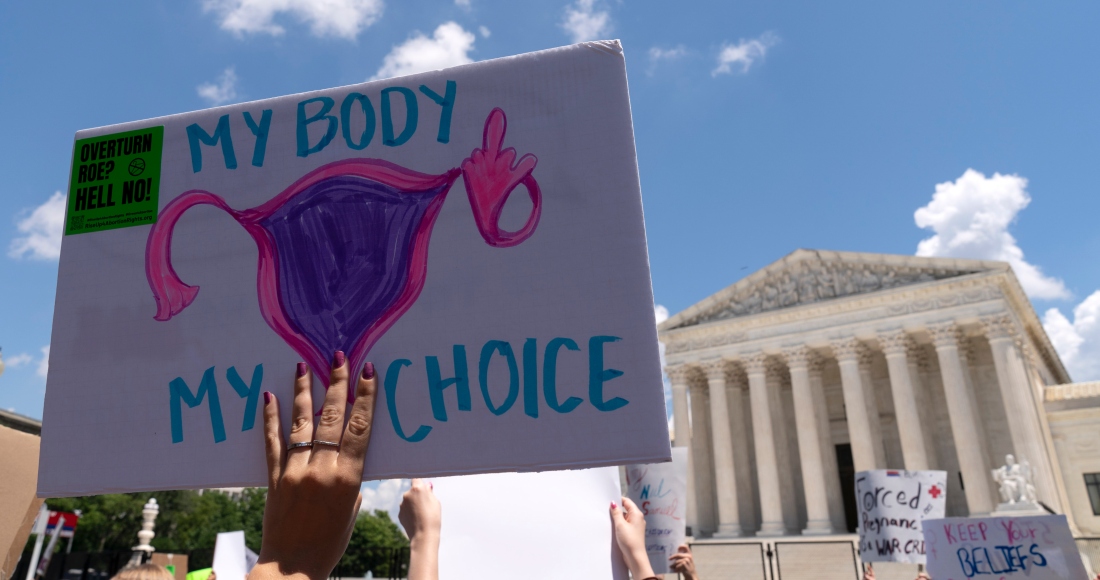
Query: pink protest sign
x=474 y=232
x=1034 y=547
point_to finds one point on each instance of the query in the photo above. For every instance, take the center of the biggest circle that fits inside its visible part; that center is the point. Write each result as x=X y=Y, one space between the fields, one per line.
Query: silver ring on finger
x=298 y=445
x=328 y=443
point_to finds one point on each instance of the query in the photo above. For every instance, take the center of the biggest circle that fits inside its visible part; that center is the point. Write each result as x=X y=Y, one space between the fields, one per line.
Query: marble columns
x=809 y=448
x=703 y=460
x=729 y=521
x=906 y=409
x=965 y=422
x=767 y=469
x=855 y=403
x=1019 y=401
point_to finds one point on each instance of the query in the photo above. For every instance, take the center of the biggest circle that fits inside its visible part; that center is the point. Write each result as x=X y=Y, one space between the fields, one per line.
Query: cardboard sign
x=892 y=504
x=1035 y=548
x=548 y=525
x=660 y=490
x=18 y=506
x=474 y=232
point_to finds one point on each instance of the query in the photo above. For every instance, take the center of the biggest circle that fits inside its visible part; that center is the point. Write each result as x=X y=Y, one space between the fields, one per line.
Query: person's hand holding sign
x=421 y=517
x=630 y=535
x=313 y=482
x=683 y=562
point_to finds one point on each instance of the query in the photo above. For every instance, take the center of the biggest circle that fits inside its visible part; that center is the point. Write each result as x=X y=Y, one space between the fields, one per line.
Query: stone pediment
x=809 y=276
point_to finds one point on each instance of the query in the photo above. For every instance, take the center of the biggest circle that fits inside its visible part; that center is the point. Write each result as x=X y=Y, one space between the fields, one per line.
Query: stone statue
x=1014 y=480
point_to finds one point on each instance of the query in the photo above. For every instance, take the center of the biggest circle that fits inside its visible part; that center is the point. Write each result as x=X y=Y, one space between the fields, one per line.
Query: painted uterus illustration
x=343 y=251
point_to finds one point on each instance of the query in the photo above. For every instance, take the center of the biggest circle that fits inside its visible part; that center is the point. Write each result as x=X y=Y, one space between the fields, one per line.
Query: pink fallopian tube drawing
x=343 y=251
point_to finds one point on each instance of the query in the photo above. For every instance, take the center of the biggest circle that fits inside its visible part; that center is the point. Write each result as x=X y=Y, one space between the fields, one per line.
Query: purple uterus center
x=343 y=252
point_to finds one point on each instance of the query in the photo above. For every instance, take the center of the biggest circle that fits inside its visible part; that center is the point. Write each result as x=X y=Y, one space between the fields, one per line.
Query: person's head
x=144 y=572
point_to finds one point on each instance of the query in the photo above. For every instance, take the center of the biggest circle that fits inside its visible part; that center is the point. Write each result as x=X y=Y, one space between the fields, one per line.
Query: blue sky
x=760 y=127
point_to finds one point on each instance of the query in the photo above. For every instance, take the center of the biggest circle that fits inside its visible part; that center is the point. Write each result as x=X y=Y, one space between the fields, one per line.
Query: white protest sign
x=230 y=560
x=892 y=504
x=547 y=525
x=474 y=232
x=660 y=491
x=1002 y=548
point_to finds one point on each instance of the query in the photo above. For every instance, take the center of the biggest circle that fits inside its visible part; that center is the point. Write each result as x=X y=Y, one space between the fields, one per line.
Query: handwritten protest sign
x=474 y=232
x=660 y=490
x=892 y=504
x=1035 y=548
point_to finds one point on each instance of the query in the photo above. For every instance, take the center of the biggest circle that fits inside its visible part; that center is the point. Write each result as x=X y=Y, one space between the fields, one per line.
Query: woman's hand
x=683 y=562
x=630 y=535
x=313 y=491
x=421 y=517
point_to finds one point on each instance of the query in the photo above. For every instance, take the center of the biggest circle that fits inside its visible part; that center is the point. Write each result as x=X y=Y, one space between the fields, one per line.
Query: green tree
x=373 y=541
x=188 y=520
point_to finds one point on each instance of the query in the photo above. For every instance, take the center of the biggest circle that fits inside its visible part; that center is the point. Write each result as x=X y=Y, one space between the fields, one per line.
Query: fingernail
x=614 y=505
x=338 y=359
x=267 y=397
x=368 y=371
x=430 y=484
x=303 y=368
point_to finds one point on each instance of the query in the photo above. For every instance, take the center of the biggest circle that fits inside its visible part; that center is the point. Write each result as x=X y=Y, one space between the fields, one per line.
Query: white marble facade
x=827 y=363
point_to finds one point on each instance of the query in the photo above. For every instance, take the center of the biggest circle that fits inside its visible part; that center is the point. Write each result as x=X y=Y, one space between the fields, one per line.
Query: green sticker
x=115 y=181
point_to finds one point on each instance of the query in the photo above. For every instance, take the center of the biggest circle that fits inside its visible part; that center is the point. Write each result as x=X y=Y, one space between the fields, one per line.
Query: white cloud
x=970 y=217
x=337 y=18
x=385 y=495
x=18 y=360
x=1077 y=342
x=660 y=312
x=463 y=4
x=449 y=45
x=40 y=230
x=583 y=22
x=658 y=55
x=223 y=92
x=484 y=30
x=744 y=53
x=44 y=362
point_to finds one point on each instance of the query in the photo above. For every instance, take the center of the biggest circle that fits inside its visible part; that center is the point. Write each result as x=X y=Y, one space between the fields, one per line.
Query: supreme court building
x=825 y=363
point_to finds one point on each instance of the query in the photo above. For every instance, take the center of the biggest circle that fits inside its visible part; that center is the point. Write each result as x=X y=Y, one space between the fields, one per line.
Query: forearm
x=424 y=557
x=639 y=565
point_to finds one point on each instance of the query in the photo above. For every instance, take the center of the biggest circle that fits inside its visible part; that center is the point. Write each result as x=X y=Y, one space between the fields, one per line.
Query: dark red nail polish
x=338 y=359
x=368 y=371
x=267 y=397
x=303 y=368
x=613 y=505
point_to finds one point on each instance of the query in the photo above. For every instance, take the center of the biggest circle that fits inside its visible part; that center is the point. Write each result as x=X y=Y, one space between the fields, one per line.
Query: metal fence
x=380 y=562
x=778 y=560
x=1090 y=547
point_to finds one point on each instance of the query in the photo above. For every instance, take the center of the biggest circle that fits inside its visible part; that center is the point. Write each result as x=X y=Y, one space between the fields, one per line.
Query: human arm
x=629 y=526
x=421 y=515
x=313 y=491
x=683 y=562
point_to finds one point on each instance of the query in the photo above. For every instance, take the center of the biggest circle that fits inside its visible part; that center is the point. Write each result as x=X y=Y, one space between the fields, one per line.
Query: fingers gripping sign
x=313 y=488
x=490 y=175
